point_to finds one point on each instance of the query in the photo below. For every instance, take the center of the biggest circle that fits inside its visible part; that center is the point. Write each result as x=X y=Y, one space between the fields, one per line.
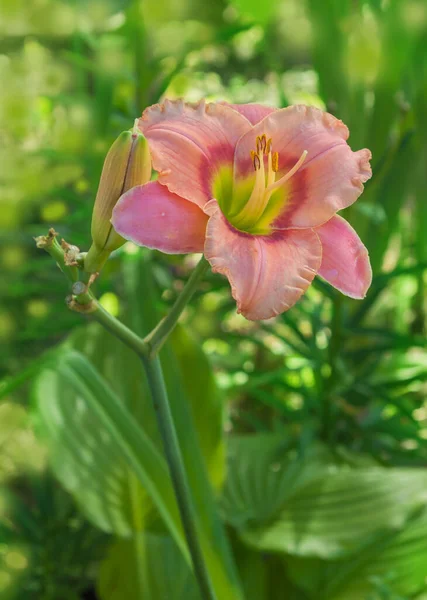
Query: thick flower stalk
x=257 y=191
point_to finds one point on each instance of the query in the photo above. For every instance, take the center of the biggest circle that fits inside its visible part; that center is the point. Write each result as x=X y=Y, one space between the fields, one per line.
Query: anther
x=268 y=147
x=256 y=160
x=275 y=162
x=261 y=143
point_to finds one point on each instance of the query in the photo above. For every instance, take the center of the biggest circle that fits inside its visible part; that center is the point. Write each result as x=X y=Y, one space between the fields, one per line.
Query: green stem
x=119 y=330
x=160 y=333
x=174 y=459
x=151 y=344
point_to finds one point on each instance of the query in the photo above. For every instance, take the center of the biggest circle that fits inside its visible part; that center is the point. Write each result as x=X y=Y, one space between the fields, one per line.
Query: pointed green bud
x=127 y=164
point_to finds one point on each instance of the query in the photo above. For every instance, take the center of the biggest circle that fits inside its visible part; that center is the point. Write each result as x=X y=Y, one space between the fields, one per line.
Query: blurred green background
x=322 y=412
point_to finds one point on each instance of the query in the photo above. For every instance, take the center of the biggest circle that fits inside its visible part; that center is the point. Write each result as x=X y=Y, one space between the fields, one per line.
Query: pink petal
x=190 y=142
x=330 y=179
x=151 y=216
x=345 y=260
x=253 y=112
x=268 y=274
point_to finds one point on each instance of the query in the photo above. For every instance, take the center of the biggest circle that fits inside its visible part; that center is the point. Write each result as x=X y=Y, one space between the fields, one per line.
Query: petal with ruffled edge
x=149 y=215
x=253 y=112
x=345 y=260
x=189 y=143
x=330 y=179
x=268 y=274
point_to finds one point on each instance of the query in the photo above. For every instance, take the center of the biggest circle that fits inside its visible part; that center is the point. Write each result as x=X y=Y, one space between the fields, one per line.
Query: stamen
x=264 y=184
x=261 y=143
x=288 y=175
x=255 y=160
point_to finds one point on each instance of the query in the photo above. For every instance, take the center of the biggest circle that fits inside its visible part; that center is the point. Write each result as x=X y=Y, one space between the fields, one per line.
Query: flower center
x=265 y=183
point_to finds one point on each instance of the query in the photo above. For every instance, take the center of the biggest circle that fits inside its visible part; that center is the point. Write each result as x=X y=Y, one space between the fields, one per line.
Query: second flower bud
x=127 y=164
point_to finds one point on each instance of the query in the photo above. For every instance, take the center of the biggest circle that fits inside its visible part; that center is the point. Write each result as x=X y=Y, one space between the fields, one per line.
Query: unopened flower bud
x=126 y=165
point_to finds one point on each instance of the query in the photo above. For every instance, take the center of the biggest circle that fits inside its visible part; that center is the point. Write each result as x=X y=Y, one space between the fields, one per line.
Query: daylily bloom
x=257 y=190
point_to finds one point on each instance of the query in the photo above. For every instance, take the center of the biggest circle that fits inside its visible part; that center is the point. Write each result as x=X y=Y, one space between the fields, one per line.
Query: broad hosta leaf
x=188 y=377
x=147 y=567
x=123 y=372
x=327 y=511
x=74 y=394
x=332 y=517
x=397 y=558
x=262 y=475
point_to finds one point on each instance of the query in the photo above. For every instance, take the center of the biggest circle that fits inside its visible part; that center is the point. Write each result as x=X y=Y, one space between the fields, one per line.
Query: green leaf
x=379 y=284
x=262 y=475
x=147 y=567
x=261 y=12
x=327 y=18
x=74 y=394
x=314 y=506
x=264 y=577
x=190 y=379
x=397 y=557
x=332 y=516
x=10 y=384
x=391 y=195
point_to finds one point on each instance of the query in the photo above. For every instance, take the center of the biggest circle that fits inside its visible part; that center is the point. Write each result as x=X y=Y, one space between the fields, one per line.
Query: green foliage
x=159 y=571
x=105 y=448
x=36 y=517
x=340 y=524
x=86 y=426
x=322 y=412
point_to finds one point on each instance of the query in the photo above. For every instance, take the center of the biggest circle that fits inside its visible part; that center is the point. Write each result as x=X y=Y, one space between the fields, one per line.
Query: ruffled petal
x=330 y=179
x=190 y=142
x=253 y=112
x=150 y=215
x=345 y=260
x=268 y=274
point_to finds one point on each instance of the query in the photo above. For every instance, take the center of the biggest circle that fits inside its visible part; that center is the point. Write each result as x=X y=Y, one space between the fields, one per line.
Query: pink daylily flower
x=257 y=190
